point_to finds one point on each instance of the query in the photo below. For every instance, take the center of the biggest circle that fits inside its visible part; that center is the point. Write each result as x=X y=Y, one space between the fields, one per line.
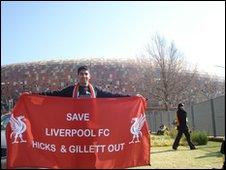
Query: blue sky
x=34 y=31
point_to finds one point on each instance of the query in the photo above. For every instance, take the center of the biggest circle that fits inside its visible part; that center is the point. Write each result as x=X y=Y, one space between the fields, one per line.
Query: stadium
x=117 y=76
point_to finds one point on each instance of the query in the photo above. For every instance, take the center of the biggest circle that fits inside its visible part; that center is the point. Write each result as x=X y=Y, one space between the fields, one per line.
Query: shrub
x=199 y=138
x=172 y=132
x=163 y=140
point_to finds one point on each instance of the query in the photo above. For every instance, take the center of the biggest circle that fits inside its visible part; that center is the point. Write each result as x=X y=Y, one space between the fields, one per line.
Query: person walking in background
x=182 y=128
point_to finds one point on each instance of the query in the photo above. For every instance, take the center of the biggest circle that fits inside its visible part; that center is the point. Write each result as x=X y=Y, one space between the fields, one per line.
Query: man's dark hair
x=82 y=68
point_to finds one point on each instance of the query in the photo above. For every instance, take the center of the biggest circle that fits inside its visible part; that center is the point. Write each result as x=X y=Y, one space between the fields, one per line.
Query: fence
x=208 y=116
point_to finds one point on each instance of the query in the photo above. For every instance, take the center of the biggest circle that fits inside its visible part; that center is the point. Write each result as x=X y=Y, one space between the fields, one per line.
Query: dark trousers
x=188 y=137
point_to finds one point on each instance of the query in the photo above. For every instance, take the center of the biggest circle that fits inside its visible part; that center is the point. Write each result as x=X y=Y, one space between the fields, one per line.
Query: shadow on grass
x=169 y=150
x=210 y=154
x=208 y=148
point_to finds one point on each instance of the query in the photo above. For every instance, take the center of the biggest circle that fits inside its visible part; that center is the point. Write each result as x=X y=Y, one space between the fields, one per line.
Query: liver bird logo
x=136 y=127
x=18 y=128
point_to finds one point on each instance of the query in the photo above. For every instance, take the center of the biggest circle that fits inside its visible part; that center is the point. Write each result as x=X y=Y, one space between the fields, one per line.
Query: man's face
x=84 y=77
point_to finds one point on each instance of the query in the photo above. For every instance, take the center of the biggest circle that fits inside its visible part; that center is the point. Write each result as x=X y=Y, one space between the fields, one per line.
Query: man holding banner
x=60 y=132
x=83 y=88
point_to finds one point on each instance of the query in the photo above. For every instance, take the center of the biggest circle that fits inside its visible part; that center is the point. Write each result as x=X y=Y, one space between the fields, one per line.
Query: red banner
x=58 y=132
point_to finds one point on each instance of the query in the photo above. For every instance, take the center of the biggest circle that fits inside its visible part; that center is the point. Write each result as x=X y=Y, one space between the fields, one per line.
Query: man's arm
x=66 y=92
x=104 y=94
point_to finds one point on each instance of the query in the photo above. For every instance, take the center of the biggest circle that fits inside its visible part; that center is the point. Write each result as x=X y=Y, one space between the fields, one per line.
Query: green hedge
x=199 y=137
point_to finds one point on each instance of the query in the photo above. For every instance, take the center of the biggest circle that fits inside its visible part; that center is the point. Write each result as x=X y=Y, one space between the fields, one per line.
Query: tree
x=210 y=87
x=170 y=77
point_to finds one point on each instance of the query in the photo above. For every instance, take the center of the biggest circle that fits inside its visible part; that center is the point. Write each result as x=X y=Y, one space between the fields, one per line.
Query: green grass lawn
x=205 y=157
